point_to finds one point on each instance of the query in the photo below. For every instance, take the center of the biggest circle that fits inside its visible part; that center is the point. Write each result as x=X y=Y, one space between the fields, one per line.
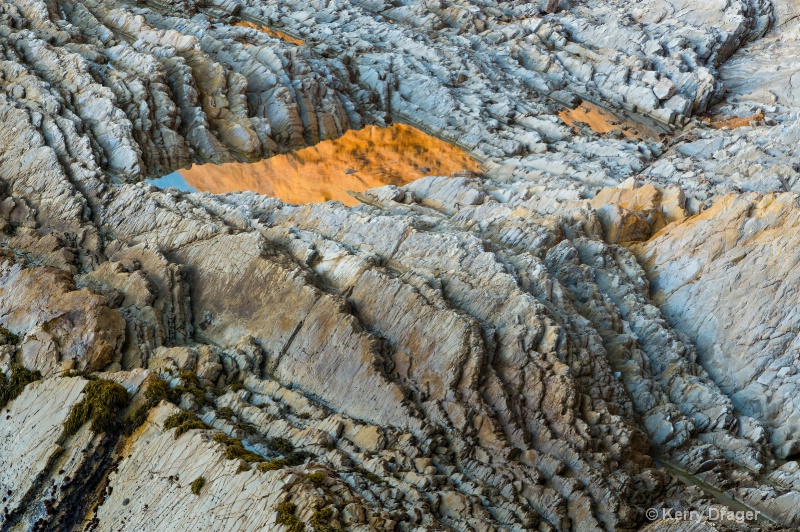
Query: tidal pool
x=277 y=34
x=601 y=120
x=359 y=160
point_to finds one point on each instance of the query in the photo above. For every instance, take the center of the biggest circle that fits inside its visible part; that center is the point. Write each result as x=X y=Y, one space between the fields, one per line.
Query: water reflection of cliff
x=277 y=34
x=602 y=120
x=367 y=158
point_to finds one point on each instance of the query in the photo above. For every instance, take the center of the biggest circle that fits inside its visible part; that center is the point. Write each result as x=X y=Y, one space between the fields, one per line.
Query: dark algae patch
x=184 y=422
x=102 y=402
x=11 y=386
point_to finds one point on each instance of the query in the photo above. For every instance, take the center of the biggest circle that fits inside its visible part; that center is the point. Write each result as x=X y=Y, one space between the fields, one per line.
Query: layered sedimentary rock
x=589 y=330
x=742 y=243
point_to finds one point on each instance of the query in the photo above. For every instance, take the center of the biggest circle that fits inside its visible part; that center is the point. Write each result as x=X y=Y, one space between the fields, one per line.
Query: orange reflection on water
x=277 y=34
x=600 y=120
x=367 y=158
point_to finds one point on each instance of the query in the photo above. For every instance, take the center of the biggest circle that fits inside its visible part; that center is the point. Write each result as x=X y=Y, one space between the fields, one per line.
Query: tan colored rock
x=715 y=276
x=630 y=215
x=26 y=459
x=469 y=352
x=57 y=322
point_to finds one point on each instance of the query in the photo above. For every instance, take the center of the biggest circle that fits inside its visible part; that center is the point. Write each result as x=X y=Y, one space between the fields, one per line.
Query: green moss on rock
x=234 y=449
x=369 y=475
x=287 y=518
x=155 y=393
x=296 y=458
x=7 y=337
x=226 y=413
x=281 y=445
x=103 y=399
x=272 y=465
x=197 y=485
x=11 y=387
x=321 y=520
x=184 y=422
x=191 y=384
x=317 y=478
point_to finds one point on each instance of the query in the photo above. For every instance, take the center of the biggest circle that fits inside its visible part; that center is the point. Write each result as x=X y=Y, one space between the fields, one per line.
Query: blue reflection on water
x=173 y=180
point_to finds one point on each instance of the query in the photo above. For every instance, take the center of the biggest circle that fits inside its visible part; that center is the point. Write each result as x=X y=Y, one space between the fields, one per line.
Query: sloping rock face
x=588 y=331
x=747 y=250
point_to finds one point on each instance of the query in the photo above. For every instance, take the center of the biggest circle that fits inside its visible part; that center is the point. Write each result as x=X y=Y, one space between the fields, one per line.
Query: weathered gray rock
x=495 y=352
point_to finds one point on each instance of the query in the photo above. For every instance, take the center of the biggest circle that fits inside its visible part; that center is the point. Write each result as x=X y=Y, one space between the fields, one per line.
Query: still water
x=359 y=160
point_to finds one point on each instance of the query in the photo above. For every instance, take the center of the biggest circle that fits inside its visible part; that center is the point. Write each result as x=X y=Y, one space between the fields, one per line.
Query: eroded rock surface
x=600 y=324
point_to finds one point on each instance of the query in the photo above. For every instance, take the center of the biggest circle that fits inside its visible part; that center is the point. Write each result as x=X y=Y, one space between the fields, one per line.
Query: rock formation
x=601 y=324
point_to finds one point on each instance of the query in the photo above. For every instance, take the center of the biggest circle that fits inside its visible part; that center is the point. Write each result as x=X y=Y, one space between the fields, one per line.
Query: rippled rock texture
x=601 y=323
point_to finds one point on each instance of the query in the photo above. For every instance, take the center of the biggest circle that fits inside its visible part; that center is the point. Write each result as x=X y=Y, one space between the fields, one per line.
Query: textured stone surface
x=602 y=323
x=726 y=279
